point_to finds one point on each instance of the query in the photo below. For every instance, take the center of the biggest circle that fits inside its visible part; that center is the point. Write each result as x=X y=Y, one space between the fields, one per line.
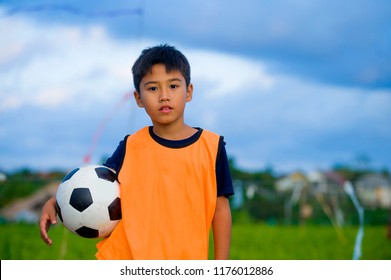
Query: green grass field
x=263 y=242
x=249 y=242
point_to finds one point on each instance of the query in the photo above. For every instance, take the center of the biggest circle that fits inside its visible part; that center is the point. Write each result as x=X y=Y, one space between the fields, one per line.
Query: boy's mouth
x=165 y=109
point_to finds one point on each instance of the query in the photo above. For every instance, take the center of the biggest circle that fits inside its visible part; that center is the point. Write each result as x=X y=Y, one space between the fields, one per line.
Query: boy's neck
x=174 y=133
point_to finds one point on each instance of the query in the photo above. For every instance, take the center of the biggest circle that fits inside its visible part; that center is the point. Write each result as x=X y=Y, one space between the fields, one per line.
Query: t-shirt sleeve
x=117 y=158
x=223 y=174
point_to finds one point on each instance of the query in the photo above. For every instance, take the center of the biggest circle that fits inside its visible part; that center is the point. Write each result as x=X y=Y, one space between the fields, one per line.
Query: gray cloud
x=293 y=88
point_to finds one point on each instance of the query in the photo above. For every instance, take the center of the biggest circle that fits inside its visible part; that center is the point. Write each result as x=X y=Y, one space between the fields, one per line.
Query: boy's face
x=164 y=95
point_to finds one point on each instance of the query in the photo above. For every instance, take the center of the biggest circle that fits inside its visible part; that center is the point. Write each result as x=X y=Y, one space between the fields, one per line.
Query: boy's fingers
x=44 y=225
x=45 y=238
x=48 y=241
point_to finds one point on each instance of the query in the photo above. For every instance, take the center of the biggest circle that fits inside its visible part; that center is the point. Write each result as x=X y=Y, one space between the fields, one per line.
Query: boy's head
x=167 y=55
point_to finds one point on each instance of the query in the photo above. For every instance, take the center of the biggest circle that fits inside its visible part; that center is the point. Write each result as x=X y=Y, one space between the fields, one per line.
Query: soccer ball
x=88 y=201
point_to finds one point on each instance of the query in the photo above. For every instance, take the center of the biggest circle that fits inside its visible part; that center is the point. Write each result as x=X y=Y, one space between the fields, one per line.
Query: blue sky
x=296 y=85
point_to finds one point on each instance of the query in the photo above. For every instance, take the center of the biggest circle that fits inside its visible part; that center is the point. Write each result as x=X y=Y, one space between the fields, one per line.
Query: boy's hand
x=48 y=217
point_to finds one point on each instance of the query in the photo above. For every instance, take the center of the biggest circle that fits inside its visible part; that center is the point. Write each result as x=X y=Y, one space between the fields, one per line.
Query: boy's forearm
x=222 y=226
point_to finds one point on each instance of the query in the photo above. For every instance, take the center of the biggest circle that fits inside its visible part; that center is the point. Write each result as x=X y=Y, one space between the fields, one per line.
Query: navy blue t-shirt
x=223 y=174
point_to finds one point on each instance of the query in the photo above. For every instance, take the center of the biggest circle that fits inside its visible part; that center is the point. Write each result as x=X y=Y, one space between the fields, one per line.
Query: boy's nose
x=164 y=95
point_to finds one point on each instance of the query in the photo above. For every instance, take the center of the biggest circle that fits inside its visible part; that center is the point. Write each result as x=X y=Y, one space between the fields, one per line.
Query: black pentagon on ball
x=87 y=232
x=80 y=199
x=105 y=174
x=115 y=210
x=58 y=210
x=69 y=175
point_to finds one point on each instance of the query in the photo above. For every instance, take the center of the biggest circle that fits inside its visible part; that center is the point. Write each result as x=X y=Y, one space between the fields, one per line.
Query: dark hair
x=162 y=54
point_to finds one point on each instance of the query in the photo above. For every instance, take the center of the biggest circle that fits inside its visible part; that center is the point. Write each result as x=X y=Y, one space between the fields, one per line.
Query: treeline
x=267 y=205
x=24 y=182
x=264 y=205
x=268 y=176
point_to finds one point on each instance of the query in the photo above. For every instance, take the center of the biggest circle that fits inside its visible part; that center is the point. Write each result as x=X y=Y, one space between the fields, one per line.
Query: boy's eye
x=173 y=86
x=152 y=88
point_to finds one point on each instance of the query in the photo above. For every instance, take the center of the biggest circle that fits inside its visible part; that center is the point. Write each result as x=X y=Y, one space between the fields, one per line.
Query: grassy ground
x=263 y=242
x=249 y=242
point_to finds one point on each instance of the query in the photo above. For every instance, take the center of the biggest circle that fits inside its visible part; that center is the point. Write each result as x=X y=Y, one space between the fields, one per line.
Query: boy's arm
x=222 y=225
x=48 y=217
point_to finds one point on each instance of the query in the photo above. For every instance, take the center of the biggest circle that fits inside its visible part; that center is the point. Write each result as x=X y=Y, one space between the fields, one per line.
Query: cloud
x=284 y=120
x=227 y=74
x=51 y=65
x=328 y=42
x=62 y=81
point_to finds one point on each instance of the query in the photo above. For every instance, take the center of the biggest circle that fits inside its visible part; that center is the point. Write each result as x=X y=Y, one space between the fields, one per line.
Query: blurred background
x=301 y=91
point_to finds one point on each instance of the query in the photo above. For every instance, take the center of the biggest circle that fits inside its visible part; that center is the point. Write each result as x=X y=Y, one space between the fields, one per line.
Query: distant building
x=326 y=188
x=295 y=187
x=294 y=181
x=3 y=177
x=374 y=190
x=328 y=182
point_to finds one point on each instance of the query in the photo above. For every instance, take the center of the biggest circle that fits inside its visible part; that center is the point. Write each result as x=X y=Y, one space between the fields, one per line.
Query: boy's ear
x=137 y=97
x=189 y=94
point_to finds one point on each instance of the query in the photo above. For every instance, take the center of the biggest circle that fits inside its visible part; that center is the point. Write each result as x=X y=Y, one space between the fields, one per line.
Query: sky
x=291 y=85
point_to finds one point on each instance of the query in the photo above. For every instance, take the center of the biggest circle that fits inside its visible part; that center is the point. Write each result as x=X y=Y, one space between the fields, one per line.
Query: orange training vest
x=168 y=198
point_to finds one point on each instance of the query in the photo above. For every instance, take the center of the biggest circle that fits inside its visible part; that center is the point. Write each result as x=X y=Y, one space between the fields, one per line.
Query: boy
x=175 y=179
